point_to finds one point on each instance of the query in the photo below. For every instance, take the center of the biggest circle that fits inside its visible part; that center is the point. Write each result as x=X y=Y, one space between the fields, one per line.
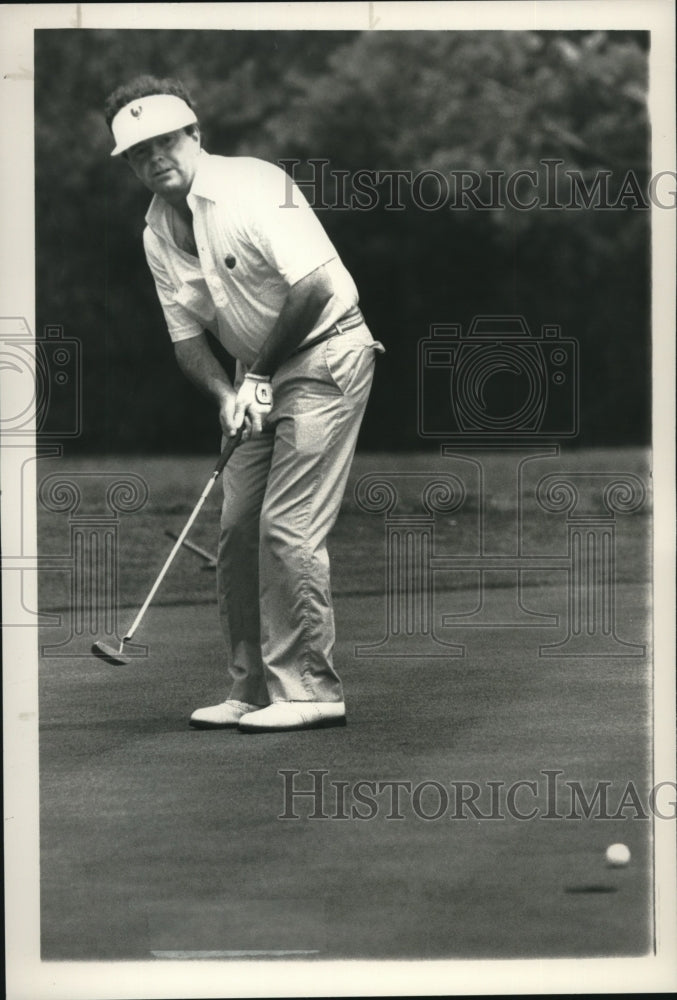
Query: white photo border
x=27 y=976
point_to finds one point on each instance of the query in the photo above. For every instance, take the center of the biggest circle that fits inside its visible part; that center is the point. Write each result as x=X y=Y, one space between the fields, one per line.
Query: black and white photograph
x=338 y=521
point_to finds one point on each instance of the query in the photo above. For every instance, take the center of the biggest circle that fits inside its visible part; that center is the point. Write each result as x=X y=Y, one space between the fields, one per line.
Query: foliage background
x=481 y=100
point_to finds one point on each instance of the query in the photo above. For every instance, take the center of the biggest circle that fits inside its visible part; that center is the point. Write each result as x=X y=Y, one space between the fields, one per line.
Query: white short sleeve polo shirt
x=256 y=236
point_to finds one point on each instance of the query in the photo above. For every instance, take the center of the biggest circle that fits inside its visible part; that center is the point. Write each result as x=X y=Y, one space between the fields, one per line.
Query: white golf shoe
x=286 y=715
x=224 y=716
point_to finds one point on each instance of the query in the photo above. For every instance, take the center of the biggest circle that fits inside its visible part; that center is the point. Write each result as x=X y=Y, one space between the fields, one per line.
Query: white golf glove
x=254 y=401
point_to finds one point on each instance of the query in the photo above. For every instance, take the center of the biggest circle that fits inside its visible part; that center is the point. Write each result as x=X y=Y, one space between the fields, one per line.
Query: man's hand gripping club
x=250 y=406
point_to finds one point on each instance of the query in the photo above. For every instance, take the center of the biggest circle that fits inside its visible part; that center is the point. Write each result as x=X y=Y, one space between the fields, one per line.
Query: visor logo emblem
x=136 y=112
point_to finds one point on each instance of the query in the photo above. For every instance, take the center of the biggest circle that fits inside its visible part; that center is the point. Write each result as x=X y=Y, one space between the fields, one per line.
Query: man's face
x=166 y=163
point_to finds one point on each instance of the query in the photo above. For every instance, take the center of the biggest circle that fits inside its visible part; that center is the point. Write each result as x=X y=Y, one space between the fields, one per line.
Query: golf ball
x=617 y=855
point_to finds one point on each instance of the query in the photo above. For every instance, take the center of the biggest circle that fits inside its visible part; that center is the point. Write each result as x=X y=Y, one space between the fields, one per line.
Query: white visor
x=147 y=117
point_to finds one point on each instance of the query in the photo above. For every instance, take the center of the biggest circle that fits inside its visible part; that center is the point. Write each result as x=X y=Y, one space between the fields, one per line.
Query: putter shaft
x=228 y=450
x=170 y=558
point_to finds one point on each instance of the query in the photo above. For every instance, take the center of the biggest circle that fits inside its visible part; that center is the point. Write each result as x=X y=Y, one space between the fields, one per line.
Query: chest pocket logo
x=229 y=261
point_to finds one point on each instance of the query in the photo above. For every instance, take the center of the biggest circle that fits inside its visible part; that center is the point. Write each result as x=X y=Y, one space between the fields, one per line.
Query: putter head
x=110 y=654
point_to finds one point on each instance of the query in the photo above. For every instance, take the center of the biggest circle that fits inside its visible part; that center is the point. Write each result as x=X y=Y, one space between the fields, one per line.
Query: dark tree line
x=428 y=104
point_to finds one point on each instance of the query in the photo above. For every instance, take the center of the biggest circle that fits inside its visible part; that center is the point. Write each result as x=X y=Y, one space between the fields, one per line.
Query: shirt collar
x=206 y=181
x=205 y=185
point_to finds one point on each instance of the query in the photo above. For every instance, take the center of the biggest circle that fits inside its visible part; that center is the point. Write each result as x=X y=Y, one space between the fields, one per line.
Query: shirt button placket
x=215 y=281
x=204 y=254
x=209 y=269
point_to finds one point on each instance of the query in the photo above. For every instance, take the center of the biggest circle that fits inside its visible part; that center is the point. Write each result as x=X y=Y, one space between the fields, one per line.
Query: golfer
x=236 y=252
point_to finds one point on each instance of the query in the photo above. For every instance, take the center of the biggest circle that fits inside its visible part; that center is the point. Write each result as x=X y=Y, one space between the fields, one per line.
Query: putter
x=117 y=656
x=207 y=556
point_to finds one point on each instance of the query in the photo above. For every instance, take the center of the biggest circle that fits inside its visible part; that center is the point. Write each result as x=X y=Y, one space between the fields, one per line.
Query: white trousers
x=282 y=495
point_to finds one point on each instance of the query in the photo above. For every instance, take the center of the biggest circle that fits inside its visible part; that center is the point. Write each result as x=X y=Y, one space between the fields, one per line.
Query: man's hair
x=143 y=86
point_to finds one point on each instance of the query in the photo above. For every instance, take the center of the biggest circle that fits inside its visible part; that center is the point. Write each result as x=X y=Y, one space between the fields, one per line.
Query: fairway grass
x=158 y=838
x=158 y=841
x=358 y=542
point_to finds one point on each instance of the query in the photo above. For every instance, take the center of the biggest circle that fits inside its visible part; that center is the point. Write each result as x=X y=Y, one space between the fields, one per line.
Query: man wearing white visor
x=236 y=250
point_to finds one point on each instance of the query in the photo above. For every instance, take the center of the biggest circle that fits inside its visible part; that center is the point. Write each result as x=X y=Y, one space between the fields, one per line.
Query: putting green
x=162 y=841
x=157 y=838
